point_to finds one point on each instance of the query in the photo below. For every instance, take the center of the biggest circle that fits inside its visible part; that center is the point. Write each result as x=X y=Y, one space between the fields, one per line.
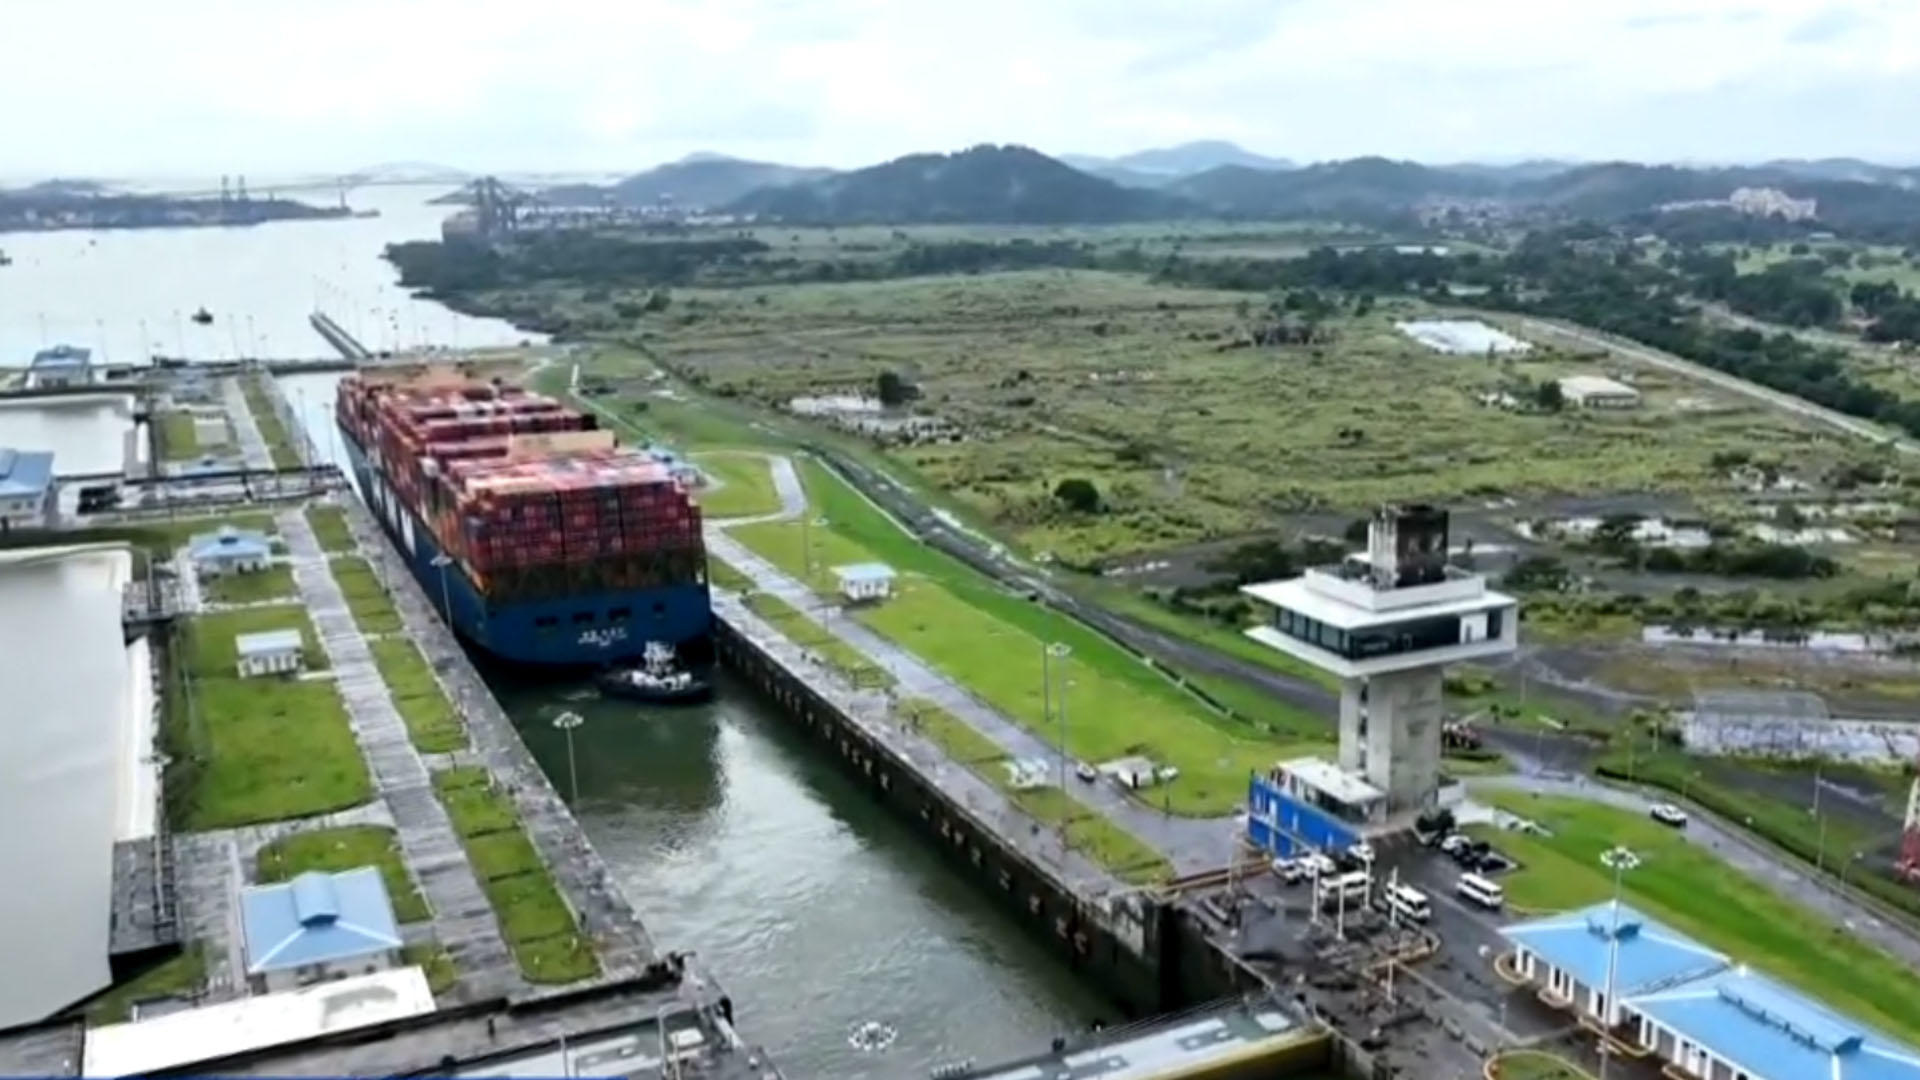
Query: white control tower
x=1387 y=624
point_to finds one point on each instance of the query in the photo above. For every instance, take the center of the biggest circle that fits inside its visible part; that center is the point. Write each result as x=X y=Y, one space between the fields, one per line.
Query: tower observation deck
x=1387 y=623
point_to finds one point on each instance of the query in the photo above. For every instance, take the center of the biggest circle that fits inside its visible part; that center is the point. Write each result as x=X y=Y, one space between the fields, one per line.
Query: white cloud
x=127 y=86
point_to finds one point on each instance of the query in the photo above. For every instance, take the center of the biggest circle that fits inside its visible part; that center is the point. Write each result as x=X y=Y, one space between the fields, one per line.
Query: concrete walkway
x=1193 y=845
x=463 y=919
x=620 y=940
x=1779 y=872
x=253 y=445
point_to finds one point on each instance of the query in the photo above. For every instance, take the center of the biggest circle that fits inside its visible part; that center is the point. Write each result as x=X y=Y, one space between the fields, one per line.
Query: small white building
x=229 y=551
x=865 y=581
x=1598 y=392
x=61 y=367
x=270 y=652
x=210 y=429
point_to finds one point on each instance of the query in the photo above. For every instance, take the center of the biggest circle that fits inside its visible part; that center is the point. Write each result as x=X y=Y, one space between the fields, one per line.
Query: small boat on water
x=5 y=259
x=203 y=317
x=658 y=680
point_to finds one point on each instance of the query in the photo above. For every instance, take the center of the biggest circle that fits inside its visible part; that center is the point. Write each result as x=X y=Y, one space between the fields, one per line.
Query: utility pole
x=566 y=722
x=1057 y=650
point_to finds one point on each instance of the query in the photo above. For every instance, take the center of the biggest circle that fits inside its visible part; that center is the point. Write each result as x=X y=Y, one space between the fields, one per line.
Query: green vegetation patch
x=177 y=439
x=177 y=976
x=210 y=640
x=330 y=529
x=534 y=918
x=372 y=610
x=745 y=485
x=850 y=662
x=432 y=723
x=991 y=641
x=433 y=959
x=345 y=848
x=1687 y=887
x=260 y=402
x=275 y=582
x=724 y=575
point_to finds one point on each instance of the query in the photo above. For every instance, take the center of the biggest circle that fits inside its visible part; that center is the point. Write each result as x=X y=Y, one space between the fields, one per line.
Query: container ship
x=540 y=540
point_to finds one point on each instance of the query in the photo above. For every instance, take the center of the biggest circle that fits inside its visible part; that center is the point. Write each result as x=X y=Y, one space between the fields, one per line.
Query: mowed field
x=1054 y=374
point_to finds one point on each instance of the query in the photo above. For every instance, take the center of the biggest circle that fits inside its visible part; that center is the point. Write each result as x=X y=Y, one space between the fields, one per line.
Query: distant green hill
x=987 y=184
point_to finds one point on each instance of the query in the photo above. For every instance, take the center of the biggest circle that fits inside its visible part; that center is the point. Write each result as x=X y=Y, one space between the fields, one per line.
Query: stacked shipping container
x=524 y=520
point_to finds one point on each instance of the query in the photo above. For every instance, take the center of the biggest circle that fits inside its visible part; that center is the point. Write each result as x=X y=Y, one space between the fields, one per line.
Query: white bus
x=1407 y=902
x=1348 y=888
x=1480 y=891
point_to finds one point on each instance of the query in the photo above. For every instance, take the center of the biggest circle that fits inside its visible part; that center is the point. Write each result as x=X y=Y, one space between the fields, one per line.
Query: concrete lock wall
x=1136 y=949
x=1865 y=741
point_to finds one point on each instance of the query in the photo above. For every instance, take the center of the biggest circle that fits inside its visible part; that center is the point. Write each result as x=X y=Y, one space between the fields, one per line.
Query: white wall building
x=271 y=652
x=26 y=490
x=1598 y=392
x=865 y=581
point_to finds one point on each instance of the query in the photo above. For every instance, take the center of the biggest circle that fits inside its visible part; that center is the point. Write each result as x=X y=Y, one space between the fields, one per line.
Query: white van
x=1407 y=902
x=1353 y=887
x=1480 y=891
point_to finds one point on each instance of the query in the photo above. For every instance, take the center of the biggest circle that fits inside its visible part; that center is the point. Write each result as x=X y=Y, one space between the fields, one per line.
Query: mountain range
x=1015 y=184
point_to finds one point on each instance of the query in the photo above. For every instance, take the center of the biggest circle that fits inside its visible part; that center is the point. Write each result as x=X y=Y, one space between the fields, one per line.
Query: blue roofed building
x=318 y=926
x=1694 y=1010
x=1741 y=1025
x=229 y=550
x=59 y=367
x=26 y=490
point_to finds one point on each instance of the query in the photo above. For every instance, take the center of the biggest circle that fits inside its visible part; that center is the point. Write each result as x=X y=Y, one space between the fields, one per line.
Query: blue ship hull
x=567 y=631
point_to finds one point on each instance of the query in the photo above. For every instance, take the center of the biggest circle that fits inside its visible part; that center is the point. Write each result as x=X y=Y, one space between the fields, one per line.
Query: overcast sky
x=135 y=87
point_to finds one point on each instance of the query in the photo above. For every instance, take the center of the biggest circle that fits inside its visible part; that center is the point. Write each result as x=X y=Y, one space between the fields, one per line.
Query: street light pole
x=1058 y=650
x=441 y=561
x=1620 y=857
x=566 y=722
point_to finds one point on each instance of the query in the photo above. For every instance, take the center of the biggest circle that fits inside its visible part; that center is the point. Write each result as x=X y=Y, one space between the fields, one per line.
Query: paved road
x=463 y=918
x=253 y=445
x=1781 y=873
x=1799 y=406
x=1192 y=845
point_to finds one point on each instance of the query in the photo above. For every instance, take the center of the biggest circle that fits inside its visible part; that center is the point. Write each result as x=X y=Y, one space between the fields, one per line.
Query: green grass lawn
x=435 y=962
x=372 y=611
x=722 y=575
x=259 y=749
x=1536 y=1065
x=533 y=917
x=265 y=417
x=330 y=528
x=345 y=848
x=273 y=583
x=1087 y=831
x=432 y=723
x=179 y=976
x=746 y=485
x=837 y=654
x=990 y=641
x=177 y=440
x=1685 y=886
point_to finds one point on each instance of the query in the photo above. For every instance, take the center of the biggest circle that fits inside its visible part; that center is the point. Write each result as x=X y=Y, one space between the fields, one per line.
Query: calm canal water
x=817 y=909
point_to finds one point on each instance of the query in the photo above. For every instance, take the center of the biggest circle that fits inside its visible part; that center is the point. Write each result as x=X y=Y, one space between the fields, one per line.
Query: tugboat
x=657 y=681
x=203 y=317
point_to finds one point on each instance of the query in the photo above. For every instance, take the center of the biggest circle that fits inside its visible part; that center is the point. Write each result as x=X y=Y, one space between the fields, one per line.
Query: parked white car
x=1289 y=871
x=1668 y=814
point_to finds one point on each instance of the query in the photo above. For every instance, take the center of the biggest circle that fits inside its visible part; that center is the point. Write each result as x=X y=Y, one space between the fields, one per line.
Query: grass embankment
x=1687 y=887
x=1788 y=825
x=330 y=529
x=1535 y=1065
x=366 y=598
x=177 y=976
x=534 y=919
x=434 y=963
x=273 y=583
x=1087 y=831
x=745 y=485
x=345 y=848
x=432 y=723
x=722 y=575
x=178 y=441
x=807 y=634
x=260 y=402
x=991 y=641
x=259 y=749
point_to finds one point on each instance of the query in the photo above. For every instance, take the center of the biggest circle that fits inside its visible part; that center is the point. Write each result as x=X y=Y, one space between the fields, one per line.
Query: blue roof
x=1767 y=1030
x=62 y=356
x=317 y=918
x=1650 y=955
x=24 y=473
x=229 y=543
x=866 y=571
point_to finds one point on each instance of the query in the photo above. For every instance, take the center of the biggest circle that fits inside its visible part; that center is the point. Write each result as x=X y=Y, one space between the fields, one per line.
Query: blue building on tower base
x=540 y=541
